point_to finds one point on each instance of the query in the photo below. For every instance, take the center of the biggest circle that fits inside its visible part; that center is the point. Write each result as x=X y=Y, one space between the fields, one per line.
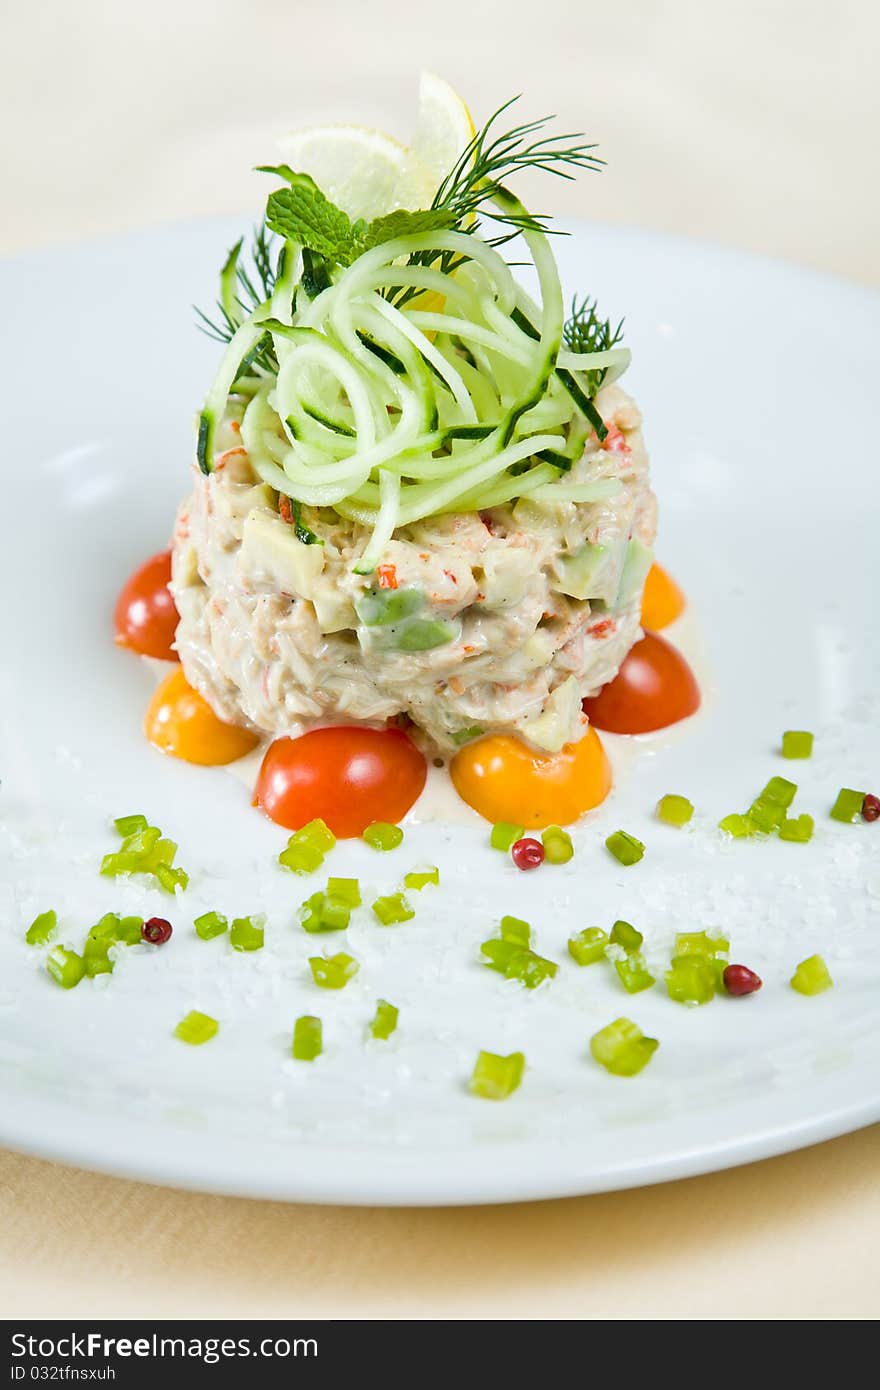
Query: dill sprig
x=585 y=331
x=250 y=286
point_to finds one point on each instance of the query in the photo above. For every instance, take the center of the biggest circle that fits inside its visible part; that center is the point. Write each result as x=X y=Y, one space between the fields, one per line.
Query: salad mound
x=418 y=492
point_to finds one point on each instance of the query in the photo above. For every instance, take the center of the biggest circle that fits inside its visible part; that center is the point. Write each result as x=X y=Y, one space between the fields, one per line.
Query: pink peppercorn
x=871 y=807
x=739 y=979
x=527 y=853
x=156 y=931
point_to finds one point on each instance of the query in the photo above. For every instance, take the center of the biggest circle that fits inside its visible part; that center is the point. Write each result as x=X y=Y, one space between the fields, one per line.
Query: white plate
x=757 y=381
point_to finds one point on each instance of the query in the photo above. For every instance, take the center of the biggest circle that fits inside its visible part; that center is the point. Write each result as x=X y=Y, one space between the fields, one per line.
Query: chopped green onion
x=210 y=924
x=797 y=743
x=739 y=827
x=700 y=943
x=96 y=956
x=626 y=848
x=393 y=909
x=346 y=890
x=42 y=928
x=515 y=929
x=380 y=835
x=129 y=825
x=144 y=851
x=420 y=879
x=674 y=810
x=588 y=946
x=495 y=1077
x=812 y=976
x=634 y=973
x=848 y=806
x=196 y=1028
x=307 y=848
x=66 y=967
x=622 y=1047
x=308 y=1040
x=558 y=848
x=385 y=1020
x=692 y=979
x=320 y=913
x=799 y=829
x=246 y=934
x=505 y=834
x=625 y=935
x=779 y=790
x=333 y=972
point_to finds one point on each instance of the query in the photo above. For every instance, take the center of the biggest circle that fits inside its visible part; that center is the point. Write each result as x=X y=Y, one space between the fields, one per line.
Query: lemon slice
x=443 y=132
x=364 y=172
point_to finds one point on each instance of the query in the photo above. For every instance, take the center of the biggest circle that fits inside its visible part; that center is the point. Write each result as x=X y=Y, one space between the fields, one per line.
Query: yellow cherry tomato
x=505 y=780
x=180 y=722
x=662 y=600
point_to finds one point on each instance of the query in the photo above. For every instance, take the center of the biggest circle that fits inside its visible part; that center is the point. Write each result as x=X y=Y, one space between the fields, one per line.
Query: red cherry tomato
x=653 y=688
x=349 y=777
x=145 y=618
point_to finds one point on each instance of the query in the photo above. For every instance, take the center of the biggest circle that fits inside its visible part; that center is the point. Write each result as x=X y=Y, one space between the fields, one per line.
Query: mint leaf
x=403 y=223
x=302 y=214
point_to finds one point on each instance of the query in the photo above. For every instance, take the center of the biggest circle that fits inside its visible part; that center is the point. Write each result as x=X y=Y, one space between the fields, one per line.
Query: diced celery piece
x=196 y=1028
x=495 y=1077
x=96 y=957
x=308 y=1039
x=307 y=848
x=65 y=966
x=419 y=879
x=634 y=973
x=766 y=816
x=392 y=909
x=674 y=810
x=347 y=890
x=129 y=825
x=812 y=976
x=848 y=806
x=739 y=827
x=163 y=852
x=382 y=836
x=385 y=1019
x=210 y=924
x=42 y=928
x=627 y=850
x=170 y=879
x=625 y=935
x=505 y=834
x=797 y=743
x=515 y=929
x=499 y=953
x=780 y=790
x=333 y=972
x=530 y=969
x=316 y=832
x=700 y=943
x=128 y=931
x=799 y=830
x=692 y=979
x=622 y=1047
x=106 y=929
x=588 y=946
x=246 y=934
x=558 y=848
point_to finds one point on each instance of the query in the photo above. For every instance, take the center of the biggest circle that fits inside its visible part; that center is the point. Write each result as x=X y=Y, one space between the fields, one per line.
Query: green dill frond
x=585 y=331
x=250 y=286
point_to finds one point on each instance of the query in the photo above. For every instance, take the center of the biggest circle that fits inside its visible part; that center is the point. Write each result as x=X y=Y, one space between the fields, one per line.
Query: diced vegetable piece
x=692 y=979
x=848 y=806
x=467 y=735
x=700 y=943
x=308 y=1038
x=346 y=890
x=128 y=930
x=106 y=928
x=333 y=972
x=246 y=934
x=739 y=827
x=495 y=1077
x=799 y=829
x=505 y=835
x=170 y=879
x=674 y=810
x=66 y=967
x=499 y=953
x=385 y=1019
x=196 y=1028
x=530 y=969
x=42 y=928
x=96 y=956
x=797 y=743
x=210 y=924
x=625 y=935
x=380 y=835
x=812 y=976
x=419 y=879
x=626 y=848
x=622 y=1047
x=515 y=929
x=588 y=946
x=558 y=848
x=634 y=973
x=423 y=634
x=392 y=909
x=130 y=825
x=386 y=607
x=765 y=816
x=320 y=913
x=307 y=848
x=779 y=790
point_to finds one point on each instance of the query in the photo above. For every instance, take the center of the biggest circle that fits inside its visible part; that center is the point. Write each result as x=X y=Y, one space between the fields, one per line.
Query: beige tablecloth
x=752 y=122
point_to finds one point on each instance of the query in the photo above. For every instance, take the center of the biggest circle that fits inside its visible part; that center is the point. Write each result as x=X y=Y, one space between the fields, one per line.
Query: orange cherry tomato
x=180 y=722
x=347 y=776
x=506 y=780
x=654 y=687
x=662 y=599
x=145 y=618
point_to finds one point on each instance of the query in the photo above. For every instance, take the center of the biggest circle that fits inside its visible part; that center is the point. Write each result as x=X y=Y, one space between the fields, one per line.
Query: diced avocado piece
x=581 y=571
x=506 y=577
x=334 y=611
x=639 y=559
x=422 y=634
x=269 y=547
x=553 y=726
x=384 y=607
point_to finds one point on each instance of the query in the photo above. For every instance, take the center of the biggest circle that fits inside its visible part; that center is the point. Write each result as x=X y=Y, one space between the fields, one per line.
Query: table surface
x=750 y=124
